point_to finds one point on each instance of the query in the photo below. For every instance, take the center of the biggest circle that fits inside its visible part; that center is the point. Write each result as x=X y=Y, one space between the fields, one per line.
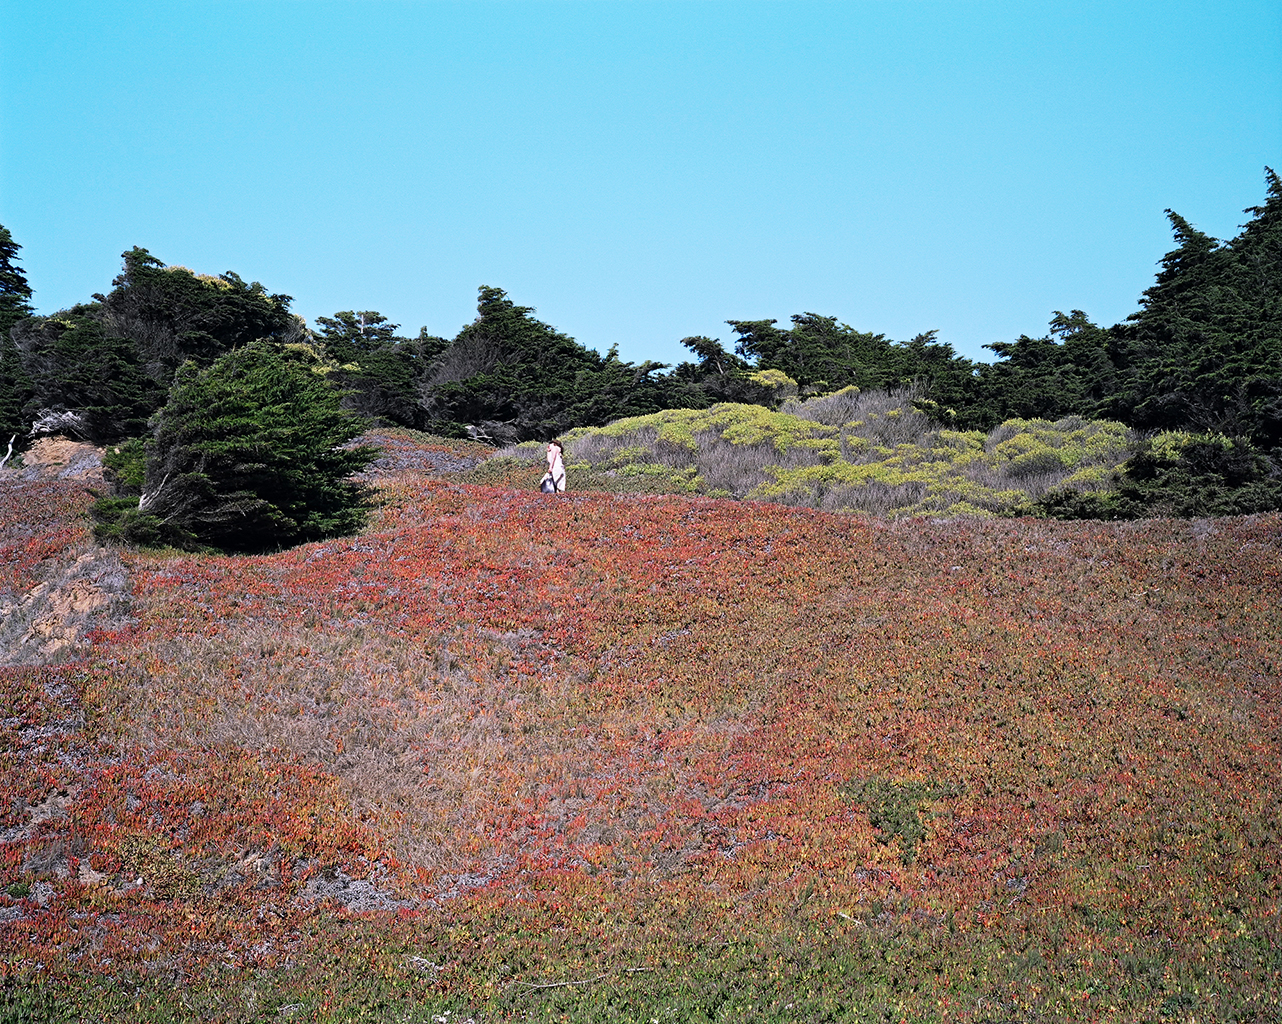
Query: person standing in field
x=556 y=466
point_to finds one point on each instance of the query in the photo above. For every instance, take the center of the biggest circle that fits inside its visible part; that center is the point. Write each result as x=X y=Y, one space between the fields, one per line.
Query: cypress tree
x=1205 y=350
x=15 y=293
x=253 y=453
x=15 y=305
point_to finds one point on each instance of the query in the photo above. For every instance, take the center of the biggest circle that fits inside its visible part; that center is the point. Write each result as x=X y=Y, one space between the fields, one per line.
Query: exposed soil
x=57 y=458
x=78 y=586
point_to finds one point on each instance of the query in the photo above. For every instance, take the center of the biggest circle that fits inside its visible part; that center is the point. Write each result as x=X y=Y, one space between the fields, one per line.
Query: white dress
x=556 y=467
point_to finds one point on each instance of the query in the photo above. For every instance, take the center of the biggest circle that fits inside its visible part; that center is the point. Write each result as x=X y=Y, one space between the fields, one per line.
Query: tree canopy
x=514 y=377
x=253 y=453
x=15 y=305
x=172 y=314
x=378 y=371
x=15 y=293
x=101 y=368
x=1205 y=347
x=1202 y=354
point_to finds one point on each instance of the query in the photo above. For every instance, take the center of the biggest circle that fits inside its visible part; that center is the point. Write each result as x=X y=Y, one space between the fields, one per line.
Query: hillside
x=510 y=756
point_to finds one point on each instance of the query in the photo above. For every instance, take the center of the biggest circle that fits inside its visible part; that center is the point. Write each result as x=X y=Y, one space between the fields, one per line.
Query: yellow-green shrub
x=869 y=451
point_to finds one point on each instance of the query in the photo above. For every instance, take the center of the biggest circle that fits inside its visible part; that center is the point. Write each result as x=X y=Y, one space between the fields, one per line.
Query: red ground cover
x=1036 y=762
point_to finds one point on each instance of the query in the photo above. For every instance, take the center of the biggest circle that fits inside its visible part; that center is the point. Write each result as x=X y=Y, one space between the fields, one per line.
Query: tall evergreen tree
x=1068 y=371
x=714 y=375
x=15 y=393
x=942 y=377
x=15 y=293
x=517 y=378
x=348 y=335
x=102 y=368
x=818 y=352
x=1205 y=349
x=15 y=306
x=254 y=453
x=379 y=372
x=88 y=378
x=822 y=354
x=1257 y=255
x=172 y=314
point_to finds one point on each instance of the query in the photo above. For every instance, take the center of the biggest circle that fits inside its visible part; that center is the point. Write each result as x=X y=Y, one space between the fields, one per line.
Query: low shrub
x=1179 y=475
x=118 y=520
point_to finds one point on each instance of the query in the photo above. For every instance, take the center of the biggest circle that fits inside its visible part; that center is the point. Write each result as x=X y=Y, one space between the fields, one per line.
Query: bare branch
x=145 y=501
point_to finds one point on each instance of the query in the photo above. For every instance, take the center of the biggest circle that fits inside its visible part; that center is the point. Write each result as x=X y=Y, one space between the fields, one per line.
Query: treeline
x=1203 y=354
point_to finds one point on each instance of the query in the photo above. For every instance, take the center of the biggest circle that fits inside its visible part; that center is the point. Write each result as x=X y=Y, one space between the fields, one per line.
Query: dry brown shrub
x=601 y=448
x=831 y=409
x=873 y=498
x=739 y=469
x=735 y=469
x=886 y=418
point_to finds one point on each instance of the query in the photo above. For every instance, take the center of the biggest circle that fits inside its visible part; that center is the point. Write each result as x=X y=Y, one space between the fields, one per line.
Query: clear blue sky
x=639 y=172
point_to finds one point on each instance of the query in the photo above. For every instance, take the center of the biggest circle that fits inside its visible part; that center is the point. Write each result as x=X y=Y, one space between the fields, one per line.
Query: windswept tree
x=15 y=306
x=172 y=314
x=83 y=380
x=15 y=392
x=378 y=371
x=348 y=335
x=1204 y=351
x=818 y=352
x=101 y=368
x=714 y=375
x=252 y=453
x=822 y=354
x=516 y=378
x=1070 y=370
x=15 y=293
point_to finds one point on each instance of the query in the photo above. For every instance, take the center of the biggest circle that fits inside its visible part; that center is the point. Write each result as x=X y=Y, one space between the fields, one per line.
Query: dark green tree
x=714 y=375
x=15 y=293
x=512 y=377
x=1179 y=476
x=83 y=379
x=15 y=306
x=941 y=377
x=348 y=335
x=15 y=393
x=613 y=389
x=252 y=453
x=822 y=354
x=1205 y=349
x=172 y=314
x=379 y=372
x=1087 y=373
x=102 y=368
x=1068 y=371
x=818 y=352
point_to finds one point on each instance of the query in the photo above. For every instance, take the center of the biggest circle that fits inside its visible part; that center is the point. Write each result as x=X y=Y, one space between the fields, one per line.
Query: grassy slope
x=616 y=757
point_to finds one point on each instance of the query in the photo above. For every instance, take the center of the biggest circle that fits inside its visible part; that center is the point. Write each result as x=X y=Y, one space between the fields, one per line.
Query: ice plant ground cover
x=512 y=756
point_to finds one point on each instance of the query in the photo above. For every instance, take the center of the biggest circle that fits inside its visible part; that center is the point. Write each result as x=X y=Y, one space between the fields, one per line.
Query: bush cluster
x=252 y=453
x=873 y=452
